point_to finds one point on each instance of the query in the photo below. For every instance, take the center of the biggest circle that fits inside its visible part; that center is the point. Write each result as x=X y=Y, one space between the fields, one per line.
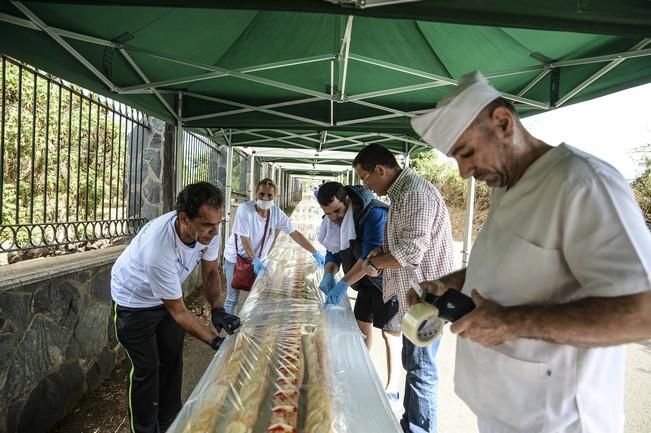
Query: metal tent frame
x=325 y=138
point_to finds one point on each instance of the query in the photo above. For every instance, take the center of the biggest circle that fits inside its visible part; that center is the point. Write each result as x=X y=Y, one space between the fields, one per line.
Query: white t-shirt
x=155 y=264
x=249 y=223
x=569 y=229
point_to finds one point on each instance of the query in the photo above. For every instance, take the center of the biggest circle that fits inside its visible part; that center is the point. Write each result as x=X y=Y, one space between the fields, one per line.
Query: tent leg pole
x=252 y=177
x=179 y=147
x=467 y=232
x=407 y=156
x=228 y=191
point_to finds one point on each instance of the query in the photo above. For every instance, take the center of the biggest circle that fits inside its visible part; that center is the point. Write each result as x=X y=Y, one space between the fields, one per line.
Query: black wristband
x=216 y=343
x=430 y=298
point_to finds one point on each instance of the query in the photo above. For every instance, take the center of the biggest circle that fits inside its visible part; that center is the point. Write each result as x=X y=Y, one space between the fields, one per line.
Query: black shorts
x=370 y=308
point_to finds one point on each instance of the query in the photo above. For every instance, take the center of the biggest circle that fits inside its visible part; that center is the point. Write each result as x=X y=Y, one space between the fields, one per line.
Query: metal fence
x=257 y=174
x=239 y=179
x=72 y=162
x=201 y=159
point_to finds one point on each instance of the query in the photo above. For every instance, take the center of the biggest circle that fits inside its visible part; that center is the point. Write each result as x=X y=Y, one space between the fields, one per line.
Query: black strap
x=264 y=236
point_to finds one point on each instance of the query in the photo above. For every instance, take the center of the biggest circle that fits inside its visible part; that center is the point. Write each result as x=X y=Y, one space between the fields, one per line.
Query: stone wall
x=159 y=168
x=153 y=159
x=57 y=337
x=154 y=200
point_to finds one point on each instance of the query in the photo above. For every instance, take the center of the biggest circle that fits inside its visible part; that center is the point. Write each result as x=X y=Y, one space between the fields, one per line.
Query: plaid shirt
x=418 y=235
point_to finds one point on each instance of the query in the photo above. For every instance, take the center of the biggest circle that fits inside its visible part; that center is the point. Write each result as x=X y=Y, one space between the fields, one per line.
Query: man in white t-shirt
x=560 y=273
x=150 y=316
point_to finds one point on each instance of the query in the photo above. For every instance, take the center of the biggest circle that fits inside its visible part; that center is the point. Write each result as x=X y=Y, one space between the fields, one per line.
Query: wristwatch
x=370 y=266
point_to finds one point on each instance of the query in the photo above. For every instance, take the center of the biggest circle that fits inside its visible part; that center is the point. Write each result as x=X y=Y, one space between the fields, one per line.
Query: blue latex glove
x=338 y=293
x=319 y=257
x=258 y=266
x=327 y=282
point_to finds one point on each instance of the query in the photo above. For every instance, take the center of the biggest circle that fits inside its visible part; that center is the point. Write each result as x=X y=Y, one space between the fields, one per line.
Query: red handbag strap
x=264 y=236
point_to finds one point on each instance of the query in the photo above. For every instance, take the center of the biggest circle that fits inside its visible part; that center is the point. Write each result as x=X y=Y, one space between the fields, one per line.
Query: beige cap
x=442 y=127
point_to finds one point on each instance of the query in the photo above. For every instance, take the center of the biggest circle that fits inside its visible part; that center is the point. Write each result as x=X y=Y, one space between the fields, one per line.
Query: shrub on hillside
x=642 y=188
x=445 y=176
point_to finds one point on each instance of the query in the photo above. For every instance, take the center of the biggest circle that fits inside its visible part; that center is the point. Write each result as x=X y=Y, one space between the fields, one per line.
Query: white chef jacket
x=155 y=264
x=569 y=229
x=250 y=224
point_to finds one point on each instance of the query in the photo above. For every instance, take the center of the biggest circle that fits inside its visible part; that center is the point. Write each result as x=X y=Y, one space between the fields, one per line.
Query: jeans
x=232 y=295
x=420 y=399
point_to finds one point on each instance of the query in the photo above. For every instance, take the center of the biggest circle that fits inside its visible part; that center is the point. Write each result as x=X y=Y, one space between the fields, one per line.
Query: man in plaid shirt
x=417 y=246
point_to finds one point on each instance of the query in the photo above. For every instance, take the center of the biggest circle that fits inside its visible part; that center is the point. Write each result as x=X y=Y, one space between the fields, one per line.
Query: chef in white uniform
x=560 y=273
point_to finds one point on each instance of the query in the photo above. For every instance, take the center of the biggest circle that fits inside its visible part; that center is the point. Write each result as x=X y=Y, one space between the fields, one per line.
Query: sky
x=611 y=127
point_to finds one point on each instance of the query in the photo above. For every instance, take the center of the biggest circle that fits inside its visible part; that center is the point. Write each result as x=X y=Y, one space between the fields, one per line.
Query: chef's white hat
x=442 y=127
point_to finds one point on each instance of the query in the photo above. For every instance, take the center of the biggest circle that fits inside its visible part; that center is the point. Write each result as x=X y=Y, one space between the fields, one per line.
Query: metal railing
x=257 y=175
x=72 y=162
x=201 y=159
x=239 y=178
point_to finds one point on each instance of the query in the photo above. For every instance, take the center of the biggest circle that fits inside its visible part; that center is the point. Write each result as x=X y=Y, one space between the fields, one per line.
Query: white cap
x=442 y=127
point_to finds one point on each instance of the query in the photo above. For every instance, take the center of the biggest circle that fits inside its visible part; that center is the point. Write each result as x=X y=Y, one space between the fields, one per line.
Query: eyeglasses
x=363 y=179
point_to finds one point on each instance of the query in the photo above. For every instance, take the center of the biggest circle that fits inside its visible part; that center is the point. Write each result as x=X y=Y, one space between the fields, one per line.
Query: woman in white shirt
x=249 y=228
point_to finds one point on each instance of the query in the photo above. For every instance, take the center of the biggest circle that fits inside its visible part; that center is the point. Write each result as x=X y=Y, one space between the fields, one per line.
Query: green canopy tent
x=311 y=74
x=325 y=77
x=318 y=76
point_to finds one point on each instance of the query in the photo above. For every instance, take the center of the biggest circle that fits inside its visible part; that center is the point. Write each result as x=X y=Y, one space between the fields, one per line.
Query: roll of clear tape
x=422 y=325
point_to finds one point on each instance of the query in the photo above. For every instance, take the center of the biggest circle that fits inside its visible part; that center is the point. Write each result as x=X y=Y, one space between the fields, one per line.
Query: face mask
x=264 y=204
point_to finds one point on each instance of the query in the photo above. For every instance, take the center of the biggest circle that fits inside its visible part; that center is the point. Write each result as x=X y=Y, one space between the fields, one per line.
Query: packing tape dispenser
x=424 y=322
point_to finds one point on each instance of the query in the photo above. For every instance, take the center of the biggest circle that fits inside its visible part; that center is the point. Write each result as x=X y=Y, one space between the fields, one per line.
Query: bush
x=445 y=176
x=64 y=154
x=642 y=188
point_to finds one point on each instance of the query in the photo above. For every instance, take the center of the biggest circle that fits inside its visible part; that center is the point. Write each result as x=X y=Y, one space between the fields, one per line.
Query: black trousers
x=154 y=345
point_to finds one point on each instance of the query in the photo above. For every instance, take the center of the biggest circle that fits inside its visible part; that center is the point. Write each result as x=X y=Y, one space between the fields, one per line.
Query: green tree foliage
x=64 y=152
x=197 y=166
x=445 y=176
x=67 y=156
x=642 y=187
